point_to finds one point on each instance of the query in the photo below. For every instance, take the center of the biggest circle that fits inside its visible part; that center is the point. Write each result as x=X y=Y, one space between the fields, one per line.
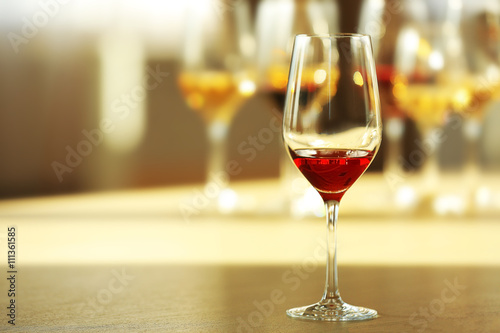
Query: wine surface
x=330 y=171
x=482 y=91
x=429 y=104
x=213 y=94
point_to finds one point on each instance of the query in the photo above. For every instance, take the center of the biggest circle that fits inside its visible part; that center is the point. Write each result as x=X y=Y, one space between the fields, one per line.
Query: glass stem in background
x=217 y=139
x=429 y=170
x=331 y=294
x=472 y=132
x=394 y=129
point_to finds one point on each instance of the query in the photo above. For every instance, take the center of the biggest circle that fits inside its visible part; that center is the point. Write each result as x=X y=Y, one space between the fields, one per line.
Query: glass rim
x=333 y=35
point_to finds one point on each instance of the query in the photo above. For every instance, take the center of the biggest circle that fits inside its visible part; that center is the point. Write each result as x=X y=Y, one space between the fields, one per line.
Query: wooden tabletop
x=166 y=298
x=129 y=262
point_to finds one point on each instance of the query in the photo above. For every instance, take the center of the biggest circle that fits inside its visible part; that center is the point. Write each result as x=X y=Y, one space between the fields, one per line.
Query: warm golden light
x=214 y=94
x=358 y=79
x=247 y=88
x=461 y=99
x=436 y=60
x=424 y=48
x=278 y=77
x=319 y=76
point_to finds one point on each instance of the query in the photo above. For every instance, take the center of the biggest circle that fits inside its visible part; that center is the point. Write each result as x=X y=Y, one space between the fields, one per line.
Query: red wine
x=330 y=171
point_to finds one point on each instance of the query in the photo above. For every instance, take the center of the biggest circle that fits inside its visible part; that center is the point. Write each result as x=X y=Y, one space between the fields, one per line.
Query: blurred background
x=113 y=95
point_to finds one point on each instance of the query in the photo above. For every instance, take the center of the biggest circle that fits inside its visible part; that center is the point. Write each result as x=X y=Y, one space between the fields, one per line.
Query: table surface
x=128 y=261
x=215 y=298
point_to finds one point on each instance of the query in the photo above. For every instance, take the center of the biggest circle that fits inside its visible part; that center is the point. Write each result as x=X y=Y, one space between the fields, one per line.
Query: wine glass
x=481 y=29
x=332 y=130
x=430 y=84
x=277 y=22
x=216 y=77
x=382 y=20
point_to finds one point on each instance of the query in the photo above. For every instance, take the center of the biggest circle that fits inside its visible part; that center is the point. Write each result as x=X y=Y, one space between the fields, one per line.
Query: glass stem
x=429 y=146
x=472 y=132
x=217 y=137
x=331 y=294
x=394 y=129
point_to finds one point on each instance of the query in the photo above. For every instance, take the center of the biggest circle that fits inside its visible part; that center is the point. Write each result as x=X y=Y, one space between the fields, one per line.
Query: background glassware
x=383 y=20
x=216 y=76
x=481 y=29
x=278 y=21
x=332 y=130
x=431 y=82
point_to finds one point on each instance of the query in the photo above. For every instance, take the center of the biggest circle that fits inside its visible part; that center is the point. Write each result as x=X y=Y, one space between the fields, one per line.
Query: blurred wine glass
x=277 y=23
x=383 y=20
x=430 y=82
x=481 y=29
x=216 y=77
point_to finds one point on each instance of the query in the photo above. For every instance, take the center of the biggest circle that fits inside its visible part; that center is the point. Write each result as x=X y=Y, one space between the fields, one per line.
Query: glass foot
x=332 y=312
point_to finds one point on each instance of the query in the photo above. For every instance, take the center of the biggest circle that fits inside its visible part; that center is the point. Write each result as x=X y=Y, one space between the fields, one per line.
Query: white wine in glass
x=430 y=84
x=217 y=76
x=481 y=31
